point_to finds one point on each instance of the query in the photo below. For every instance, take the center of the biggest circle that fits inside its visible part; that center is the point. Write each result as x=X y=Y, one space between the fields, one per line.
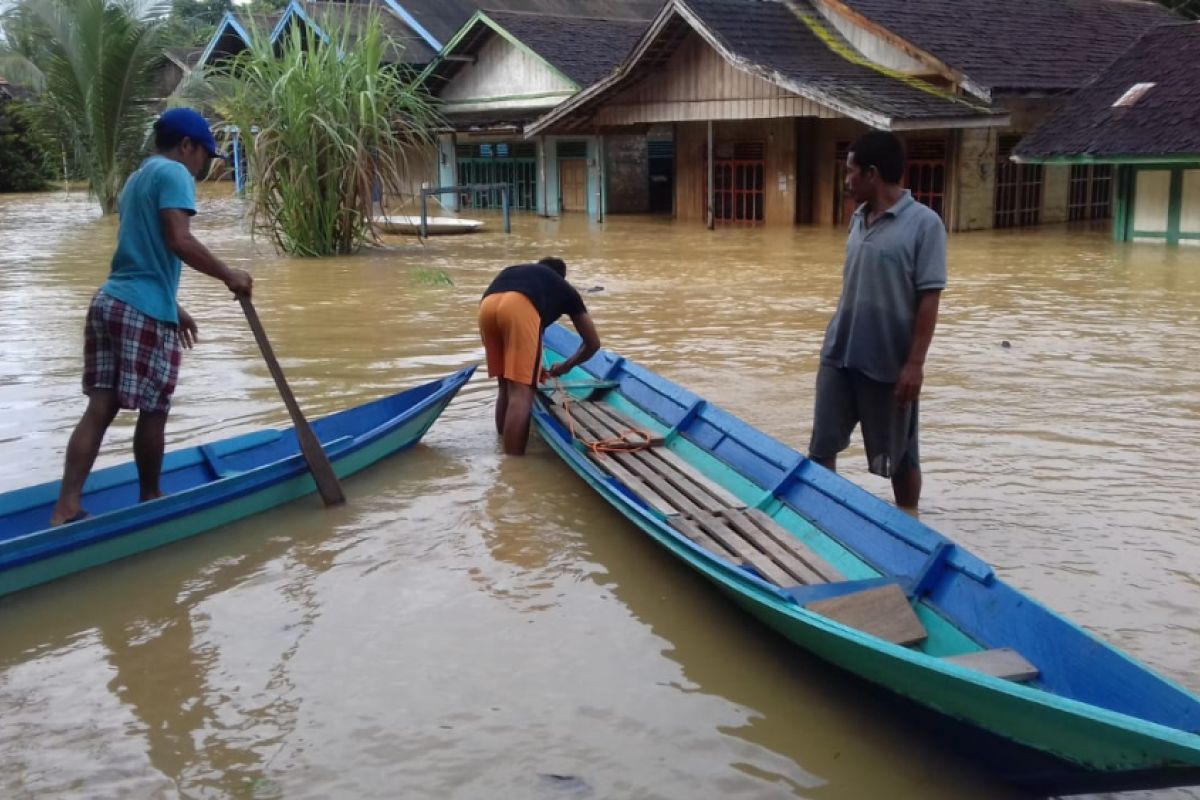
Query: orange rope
x=619 y=444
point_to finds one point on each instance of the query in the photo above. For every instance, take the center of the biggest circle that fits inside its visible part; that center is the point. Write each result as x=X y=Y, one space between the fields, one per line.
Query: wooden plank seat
x=719 y=522
x=1002 y=662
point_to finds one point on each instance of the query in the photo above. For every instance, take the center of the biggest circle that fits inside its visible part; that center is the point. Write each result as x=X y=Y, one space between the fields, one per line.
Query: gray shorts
x=845 y=398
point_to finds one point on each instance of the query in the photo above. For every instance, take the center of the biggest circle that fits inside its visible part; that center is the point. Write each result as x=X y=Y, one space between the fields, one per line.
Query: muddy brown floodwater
x=474 y=627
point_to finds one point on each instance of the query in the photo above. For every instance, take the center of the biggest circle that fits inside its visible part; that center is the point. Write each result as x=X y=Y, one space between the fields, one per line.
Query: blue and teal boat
x=206 y=486
x=1042 y=703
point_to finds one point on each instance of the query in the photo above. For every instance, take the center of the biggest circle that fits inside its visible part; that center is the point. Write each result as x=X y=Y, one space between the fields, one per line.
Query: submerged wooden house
x=765 y=97
x=1141 y=118
x=506 y=67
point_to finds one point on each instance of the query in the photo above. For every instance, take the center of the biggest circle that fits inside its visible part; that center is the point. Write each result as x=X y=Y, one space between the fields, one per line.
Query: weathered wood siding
x=698 y=84
x=505 y=76
x=691 y=165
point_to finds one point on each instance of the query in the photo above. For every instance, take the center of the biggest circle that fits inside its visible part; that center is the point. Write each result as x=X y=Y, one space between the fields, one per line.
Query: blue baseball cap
x=190 y=123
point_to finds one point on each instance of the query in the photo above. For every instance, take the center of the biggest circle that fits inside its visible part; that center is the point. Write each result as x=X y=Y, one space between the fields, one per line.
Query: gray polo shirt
x=887 y=265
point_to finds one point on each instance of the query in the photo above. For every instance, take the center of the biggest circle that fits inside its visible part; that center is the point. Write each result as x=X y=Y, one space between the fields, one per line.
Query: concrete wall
x=628 y=172
x=975 y=197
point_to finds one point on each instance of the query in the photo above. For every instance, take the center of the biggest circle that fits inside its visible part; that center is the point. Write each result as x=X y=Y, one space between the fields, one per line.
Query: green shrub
x=25 y=160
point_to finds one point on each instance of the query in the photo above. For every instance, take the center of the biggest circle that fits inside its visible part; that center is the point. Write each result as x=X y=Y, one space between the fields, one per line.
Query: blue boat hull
x=207 y=486
x=1093 y=719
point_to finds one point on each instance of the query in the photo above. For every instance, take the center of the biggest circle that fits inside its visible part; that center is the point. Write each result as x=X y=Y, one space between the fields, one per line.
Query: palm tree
x=98 y=63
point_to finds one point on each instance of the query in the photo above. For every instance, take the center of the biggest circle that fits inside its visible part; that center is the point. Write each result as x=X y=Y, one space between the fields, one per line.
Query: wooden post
x=711 y=193
x=545 y=199
x=601 y=177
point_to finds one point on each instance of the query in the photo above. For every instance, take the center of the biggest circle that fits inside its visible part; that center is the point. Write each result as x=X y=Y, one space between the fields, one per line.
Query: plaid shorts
x=135 y=355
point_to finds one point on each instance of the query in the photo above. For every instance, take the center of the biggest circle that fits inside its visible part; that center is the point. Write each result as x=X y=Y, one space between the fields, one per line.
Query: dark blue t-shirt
x=549 y=292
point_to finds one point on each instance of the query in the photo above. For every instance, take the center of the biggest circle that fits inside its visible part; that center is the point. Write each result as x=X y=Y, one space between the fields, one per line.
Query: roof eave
x=941 y=123
x=1112 y=158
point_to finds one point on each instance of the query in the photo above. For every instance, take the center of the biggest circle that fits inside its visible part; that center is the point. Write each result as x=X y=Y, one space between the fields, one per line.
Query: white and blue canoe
x=205 y=487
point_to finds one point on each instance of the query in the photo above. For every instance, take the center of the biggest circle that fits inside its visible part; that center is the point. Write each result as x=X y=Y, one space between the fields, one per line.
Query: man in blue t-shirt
x=135 y=327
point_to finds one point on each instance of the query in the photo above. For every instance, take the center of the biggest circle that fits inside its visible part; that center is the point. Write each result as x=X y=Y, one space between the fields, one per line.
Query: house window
x=739 y=176
x=1091 y=192
x=513 y=163
x=926 y=172
x=1018 y=188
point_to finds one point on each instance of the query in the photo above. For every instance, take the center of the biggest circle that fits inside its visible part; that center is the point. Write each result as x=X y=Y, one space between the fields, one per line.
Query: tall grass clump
x=322 y=121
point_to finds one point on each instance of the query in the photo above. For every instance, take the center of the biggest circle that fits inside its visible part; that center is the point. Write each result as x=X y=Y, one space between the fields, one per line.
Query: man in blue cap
x=135 y=328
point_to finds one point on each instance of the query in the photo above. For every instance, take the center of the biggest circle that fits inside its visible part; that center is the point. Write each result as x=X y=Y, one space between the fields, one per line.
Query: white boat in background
x=411 y=224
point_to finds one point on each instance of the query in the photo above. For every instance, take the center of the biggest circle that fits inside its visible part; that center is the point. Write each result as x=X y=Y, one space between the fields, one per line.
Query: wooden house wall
x=691 y=166
x=505 y=76
x=698 y=84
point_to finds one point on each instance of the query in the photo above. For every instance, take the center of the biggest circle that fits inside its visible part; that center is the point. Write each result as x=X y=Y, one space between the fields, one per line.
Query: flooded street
x=471 y=626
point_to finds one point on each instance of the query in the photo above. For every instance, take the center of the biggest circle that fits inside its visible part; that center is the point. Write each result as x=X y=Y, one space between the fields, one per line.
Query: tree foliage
x=100 y=61
x=25 y=161
x=1184 y=8
x=193 y=22
x=326 y=121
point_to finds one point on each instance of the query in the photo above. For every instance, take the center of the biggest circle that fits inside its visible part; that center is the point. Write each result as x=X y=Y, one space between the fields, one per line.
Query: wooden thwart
x=1002 y=662
x=884 y=612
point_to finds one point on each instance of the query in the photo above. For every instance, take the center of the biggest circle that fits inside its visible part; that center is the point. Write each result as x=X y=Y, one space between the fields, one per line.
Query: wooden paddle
x=310 y=446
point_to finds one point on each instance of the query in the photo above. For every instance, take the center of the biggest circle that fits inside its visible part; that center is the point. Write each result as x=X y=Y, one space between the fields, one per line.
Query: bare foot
x=65 y=518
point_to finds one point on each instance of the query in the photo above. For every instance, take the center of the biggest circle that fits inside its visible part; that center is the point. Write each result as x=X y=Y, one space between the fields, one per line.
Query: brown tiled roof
x=794 y=44
x=1044 y=45
x=1164 y=121
x=583 y=49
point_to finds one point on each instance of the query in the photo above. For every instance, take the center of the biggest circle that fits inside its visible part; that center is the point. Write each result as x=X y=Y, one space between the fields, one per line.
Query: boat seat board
x=1002 y=662
x=795 y=567
x=762 y=562
x=824 y=570
x=692 y=531
x=882 y=611
x=724 y=498
x=602 y=422
x=728 y=529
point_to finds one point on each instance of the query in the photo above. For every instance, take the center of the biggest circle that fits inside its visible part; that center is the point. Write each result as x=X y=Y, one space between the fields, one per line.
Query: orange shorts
x=511 y=329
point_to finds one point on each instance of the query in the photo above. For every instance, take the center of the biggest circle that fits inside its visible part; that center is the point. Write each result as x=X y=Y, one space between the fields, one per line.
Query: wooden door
x=572 y=184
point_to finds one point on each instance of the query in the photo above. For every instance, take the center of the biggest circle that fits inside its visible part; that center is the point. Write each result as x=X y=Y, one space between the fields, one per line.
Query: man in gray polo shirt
x=873 y=359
